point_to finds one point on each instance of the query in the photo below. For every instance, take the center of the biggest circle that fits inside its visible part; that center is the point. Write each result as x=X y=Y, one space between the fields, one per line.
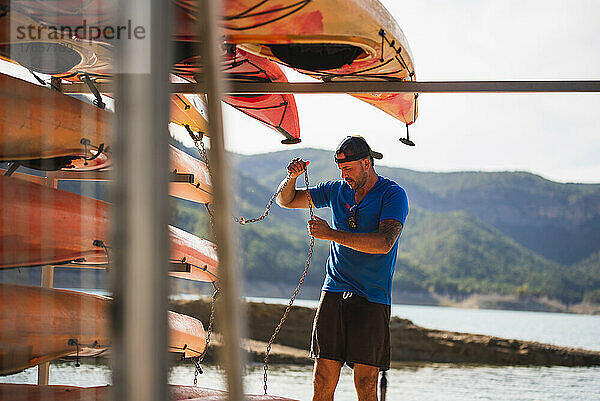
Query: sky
x=554 y=135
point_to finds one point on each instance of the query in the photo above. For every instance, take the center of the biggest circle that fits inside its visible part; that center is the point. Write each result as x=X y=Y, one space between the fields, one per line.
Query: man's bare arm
x=290 y=197
x=390 y=229
x=379 y=242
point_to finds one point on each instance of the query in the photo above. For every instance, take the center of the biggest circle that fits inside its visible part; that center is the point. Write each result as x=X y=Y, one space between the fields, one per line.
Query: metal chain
x=197 y=369
x=211 y=217
x=296 y=291
x=199 y=144
x=197 y=360
x=211 y=320
x=241 y=220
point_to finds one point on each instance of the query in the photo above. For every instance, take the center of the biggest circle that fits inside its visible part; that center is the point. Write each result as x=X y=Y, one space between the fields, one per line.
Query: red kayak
x=42 y=226
x=274 y=110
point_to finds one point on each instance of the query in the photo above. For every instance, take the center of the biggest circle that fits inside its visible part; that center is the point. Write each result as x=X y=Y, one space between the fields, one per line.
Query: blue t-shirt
x=364 y=274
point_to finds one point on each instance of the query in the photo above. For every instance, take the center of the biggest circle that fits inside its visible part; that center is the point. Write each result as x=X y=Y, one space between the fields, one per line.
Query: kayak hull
x=94 y=58
x=199 y=190
x=39 y=126
x=46 y=226
x=363 y=42
x=41 y=324
x=42 y=128
x=277 y=111
x=41 y=225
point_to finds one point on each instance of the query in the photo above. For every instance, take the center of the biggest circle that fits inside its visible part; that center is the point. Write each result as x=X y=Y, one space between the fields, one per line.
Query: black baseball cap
x=354 y=148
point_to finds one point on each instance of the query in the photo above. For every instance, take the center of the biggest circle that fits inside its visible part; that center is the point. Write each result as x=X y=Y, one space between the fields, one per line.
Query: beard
x=359 y=182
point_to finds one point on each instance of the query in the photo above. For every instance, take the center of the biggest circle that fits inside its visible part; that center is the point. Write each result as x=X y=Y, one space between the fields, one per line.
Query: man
x=352 y=321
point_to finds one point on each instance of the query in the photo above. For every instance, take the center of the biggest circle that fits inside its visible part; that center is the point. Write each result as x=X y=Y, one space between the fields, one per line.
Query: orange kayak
x=41 y=226
x=47 y=130
x=199 y=189
x=44 y=129
x=31 y=392
x=70 y=57
x=38 y=325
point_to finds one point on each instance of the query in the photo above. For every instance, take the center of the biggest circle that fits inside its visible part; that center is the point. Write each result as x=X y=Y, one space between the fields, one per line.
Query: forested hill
x=558 y=221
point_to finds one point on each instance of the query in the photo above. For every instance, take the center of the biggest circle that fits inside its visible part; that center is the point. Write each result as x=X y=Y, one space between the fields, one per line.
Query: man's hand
x=296 y=167
x=319 y=228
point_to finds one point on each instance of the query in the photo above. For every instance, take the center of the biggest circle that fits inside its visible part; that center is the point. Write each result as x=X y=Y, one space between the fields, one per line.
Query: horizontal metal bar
x=105 y=175
x=245 y=88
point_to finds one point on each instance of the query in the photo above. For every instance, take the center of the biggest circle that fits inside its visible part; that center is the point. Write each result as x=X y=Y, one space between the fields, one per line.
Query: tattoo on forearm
x=391 y=229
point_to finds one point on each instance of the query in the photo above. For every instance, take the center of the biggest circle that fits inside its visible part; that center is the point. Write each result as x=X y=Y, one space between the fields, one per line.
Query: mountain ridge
x=559 y=221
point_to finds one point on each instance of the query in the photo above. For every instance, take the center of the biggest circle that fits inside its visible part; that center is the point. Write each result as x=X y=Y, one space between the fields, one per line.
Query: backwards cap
x=354 y=148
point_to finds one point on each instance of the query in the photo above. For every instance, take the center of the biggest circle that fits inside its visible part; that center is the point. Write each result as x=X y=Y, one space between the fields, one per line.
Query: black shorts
x=351 y=330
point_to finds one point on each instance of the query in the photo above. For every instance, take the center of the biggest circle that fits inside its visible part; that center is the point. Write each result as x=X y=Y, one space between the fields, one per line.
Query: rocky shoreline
x=410 y=343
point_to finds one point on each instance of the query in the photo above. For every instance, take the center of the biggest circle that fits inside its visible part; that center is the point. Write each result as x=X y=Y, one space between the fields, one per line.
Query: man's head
x=354 y=158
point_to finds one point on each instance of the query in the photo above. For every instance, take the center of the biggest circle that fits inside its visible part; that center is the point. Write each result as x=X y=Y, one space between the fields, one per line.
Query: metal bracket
x=12 y=167
x=180 y=267
x=182 y=177
x=98 y=101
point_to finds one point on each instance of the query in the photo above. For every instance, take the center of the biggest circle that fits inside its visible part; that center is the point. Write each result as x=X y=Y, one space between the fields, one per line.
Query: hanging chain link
x=296 y=291
x=197 y=370
x=211 y=320
x=199 y=143
x=197 y=360
x=241 y=220
x=211 y=217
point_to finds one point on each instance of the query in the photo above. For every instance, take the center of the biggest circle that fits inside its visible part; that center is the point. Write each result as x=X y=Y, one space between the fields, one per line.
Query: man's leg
x=365 y=382
x=325 y=379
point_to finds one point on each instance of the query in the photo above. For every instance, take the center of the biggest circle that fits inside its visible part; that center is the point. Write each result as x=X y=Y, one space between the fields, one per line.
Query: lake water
x=565 y=329
x=414 y=381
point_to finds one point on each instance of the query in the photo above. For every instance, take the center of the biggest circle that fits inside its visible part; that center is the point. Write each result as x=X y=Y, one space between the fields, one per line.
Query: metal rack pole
x=140 y=214
x=244 y=88
x=229 y=306
x=47 y=282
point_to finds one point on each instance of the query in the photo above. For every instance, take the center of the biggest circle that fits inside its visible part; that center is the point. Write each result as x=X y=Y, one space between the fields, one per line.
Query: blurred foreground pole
x=140 y=218
x=44 y=368
x=229 y=306
x=48 y=270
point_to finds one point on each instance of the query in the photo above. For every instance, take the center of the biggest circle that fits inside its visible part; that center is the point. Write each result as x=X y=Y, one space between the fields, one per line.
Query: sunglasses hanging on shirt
x=353 y=217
